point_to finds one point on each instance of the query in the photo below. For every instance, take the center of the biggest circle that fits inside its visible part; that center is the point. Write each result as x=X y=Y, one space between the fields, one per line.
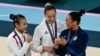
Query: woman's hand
x=28 y=38
x=56 y=46
x=61 y=41
x=47 y=49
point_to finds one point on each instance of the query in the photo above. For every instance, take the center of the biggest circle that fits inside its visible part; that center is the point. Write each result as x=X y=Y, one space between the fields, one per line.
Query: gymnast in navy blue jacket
x=73 y=40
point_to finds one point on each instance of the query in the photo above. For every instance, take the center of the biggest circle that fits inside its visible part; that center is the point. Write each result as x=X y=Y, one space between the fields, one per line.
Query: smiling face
x=70 y=23
x=22 y=25
x=50 y=16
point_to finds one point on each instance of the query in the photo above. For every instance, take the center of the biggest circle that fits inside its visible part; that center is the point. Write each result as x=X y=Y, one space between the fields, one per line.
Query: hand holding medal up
x=61 y=41
x=56 y=45
x=29 y=38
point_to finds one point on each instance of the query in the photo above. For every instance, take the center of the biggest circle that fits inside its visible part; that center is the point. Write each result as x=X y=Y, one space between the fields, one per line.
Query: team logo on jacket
x=75 y=38
x=59 y=30
x=46 y=32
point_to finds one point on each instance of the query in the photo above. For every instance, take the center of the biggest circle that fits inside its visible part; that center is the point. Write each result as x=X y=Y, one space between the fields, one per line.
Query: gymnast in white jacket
x=46 y=32
x=19 y=40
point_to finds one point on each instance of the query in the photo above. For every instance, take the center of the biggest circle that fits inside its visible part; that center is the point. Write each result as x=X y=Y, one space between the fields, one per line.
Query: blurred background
x=33 y=11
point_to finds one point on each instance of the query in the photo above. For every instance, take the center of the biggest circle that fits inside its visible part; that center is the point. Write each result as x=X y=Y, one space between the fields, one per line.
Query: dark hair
x=76 y=16
x=16 y=18
x=48 y=7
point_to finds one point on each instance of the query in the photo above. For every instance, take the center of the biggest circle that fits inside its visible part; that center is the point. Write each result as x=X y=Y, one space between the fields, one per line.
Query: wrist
x=44 y=48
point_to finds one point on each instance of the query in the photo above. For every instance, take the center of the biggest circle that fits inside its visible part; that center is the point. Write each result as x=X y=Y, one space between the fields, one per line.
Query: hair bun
x=12 y=16
x=81 y=12
x=47 y=4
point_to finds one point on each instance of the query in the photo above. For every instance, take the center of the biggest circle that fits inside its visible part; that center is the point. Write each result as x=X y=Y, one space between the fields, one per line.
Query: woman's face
x=22 y=26
x=69 y=22
x=50 y=16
